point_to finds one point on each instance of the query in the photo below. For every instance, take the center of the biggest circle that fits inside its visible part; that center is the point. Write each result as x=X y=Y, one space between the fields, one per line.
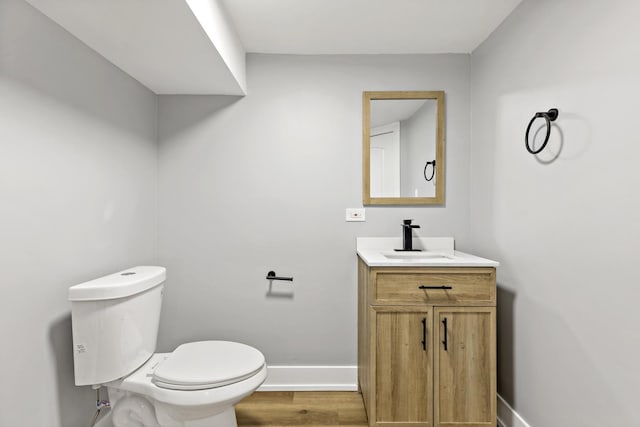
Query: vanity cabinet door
x=403 y=367
x=465 y=367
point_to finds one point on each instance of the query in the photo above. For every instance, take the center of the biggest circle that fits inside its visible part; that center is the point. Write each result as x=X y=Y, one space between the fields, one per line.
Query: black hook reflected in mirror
x=433 y=170
x=549 y=116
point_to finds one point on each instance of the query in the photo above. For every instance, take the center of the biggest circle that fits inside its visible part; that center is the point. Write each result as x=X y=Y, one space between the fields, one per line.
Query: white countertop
x=372 y=250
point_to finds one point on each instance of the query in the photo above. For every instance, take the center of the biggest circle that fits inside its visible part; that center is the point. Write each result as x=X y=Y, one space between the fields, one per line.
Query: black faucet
x=407 y=240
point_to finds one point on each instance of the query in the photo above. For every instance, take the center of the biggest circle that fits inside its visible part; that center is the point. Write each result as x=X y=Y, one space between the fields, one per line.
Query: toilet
x=115 y=323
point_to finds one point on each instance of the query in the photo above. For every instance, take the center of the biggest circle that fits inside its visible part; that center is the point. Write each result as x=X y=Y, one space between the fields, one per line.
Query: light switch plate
x=355 y=214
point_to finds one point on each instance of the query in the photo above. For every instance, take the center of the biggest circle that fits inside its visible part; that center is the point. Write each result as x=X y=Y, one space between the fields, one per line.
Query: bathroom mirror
x=403 y=148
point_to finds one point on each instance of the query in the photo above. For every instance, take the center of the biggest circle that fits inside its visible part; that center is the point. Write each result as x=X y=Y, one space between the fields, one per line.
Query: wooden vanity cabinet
x=427 y=357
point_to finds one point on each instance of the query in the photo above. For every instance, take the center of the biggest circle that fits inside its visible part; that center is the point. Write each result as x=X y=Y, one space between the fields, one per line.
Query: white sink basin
x=436 y=252
x=414 y=256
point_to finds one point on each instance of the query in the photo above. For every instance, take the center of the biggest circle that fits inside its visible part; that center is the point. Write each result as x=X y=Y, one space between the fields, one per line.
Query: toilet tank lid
x=119 y=285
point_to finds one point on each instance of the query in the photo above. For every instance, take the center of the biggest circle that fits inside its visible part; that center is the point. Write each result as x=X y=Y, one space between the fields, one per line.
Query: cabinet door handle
x=435 y=287
x=424 y=334
x=444 y=342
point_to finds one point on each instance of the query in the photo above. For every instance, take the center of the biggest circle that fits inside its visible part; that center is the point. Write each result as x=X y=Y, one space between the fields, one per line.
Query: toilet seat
x=141 y=382
x=207 y=364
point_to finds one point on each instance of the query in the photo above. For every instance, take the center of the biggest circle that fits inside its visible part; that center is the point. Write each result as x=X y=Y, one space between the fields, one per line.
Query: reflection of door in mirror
x=402 y=141
x=385 y=160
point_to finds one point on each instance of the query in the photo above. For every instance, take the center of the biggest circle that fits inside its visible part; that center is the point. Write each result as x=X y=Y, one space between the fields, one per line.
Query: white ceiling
x=170 y=46
x=199 y=46
x=366 y=26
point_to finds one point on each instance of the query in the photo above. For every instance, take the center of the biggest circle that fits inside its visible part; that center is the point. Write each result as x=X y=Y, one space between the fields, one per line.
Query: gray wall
x=259 y=183
x=564 y=225
x=77 y=200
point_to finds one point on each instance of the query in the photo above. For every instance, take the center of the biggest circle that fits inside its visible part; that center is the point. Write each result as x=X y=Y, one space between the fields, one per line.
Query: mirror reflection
x=402 y=142
x=404 y=147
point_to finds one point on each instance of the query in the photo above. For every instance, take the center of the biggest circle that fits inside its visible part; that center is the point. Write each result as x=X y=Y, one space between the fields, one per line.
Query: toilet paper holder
x=271 y=275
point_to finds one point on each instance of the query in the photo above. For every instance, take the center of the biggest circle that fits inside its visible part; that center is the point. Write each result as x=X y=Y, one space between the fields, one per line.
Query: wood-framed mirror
x=403 y=148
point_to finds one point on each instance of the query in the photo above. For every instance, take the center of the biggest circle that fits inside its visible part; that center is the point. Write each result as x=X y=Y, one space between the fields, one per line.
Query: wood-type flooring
x=302 y=408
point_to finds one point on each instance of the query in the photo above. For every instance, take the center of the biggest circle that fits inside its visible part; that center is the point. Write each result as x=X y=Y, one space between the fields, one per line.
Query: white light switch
x=355 y=214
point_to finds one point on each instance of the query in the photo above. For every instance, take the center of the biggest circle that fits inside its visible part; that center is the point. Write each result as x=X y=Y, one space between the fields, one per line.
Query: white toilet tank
x=115 y=323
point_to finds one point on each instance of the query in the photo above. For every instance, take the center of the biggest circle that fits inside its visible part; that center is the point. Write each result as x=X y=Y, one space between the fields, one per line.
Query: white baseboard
x=311 y=378
x=507 y=416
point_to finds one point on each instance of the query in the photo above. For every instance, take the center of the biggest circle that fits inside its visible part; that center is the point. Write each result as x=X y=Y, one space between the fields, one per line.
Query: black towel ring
x=433 y=170
x=549 y=116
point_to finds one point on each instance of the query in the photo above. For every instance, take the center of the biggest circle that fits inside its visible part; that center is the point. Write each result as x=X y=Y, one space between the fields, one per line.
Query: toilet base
x=134 y=410
x=226 y=418
x=223 y=419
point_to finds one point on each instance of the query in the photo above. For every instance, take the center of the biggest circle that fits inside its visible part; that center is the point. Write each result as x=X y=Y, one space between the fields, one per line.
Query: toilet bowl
x=115 y=323
x=190 y=386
